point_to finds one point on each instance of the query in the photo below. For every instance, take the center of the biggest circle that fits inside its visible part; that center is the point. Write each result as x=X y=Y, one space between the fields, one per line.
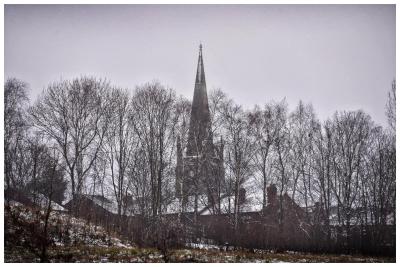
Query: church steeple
x=200 y=77
x=200 y=121
x=200 y=170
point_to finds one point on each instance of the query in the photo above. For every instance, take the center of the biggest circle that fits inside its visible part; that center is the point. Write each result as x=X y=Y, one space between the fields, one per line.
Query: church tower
x=200 y=169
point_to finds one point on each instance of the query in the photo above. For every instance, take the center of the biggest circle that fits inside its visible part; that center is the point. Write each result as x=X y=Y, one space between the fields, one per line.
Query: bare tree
x=39 y=185
x=304 y=127
x=350 y=134
x=15 y=132
x=282 y=146
x=391 y=107
x=153 y=114
x=264 y=127
x=379 y=182
x=323 y=169
x=52 y=175
x=119 y=145
x=72 y=115
x=238 y=150
x=183 y=110
x=218 y=100
x=139 y=182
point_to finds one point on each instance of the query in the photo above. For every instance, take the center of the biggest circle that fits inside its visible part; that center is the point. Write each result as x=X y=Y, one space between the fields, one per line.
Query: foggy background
x=338 y=57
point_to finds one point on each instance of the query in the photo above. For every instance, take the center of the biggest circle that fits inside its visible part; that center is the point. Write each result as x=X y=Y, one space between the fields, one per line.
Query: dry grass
x=198 y=255
x=118 y=254
x=98 y=246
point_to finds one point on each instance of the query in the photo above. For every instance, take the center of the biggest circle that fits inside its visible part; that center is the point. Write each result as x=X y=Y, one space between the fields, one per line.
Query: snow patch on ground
x=43 y=202
x=202 y=246
x=74 y=230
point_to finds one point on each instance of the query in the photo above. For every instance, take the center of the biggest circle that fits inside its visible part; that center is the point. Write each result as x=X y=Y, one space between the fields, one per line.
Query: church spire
x=200 y=170
x=200 y=121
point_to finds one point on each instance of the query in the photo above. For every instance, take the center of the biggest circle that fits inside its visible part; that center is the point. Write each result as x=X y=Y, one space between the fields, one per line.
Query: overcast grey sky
x=338 y=57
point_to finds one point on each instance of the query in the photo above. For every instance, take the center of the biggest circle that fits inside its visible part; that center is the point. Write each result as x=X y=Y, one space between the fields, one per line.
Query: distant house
x=94 y=208
x=282 y=204
x=18 y=195
x=32 y=199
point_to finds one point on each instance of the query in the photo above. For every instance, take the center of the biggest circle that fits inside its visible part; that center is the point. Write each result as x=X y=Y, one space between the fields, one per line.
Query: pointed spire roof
x=200 y=121
x=200 y=76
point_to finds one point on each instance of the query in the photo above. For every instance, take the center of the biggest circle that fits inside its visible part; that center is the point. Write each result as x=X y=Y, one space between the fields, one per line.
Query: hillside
x=75 y=240
x=24 y=235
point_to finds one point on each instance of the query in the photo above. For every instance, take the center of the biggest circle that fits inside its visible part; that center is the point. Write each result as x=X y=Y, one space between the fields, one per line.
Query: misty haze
x=200 y=133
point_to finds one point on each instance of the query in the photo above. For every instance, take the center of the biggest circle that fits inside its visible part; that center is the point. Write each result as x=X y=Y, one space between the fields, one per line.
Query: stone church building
x=199 y=170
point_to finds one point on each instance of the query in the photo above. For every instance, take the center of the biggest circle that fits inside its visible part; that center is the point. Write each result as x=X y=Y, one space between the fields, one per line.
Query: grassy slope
x=81 y=242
